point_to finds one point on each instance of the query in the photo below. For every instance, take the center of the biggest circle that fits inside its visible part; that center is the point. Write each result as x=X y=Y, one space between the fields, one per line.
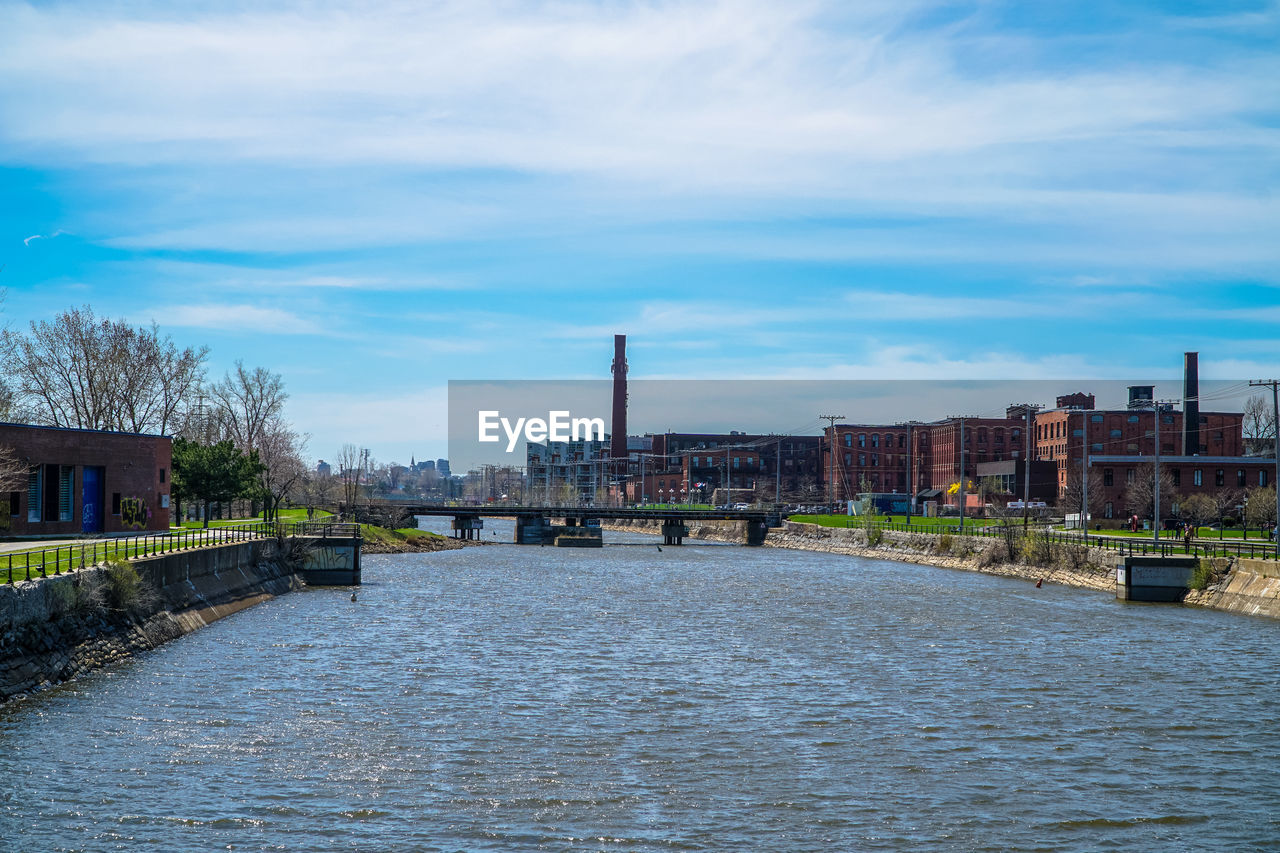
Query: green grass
x=41 y=561
x=295 y=514
x=918 y=521
x=375 y=535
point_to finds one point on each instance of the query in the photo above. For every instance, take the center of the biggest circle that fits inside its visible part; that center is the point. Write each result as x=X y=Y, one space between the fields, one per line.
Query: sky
x=373 y=199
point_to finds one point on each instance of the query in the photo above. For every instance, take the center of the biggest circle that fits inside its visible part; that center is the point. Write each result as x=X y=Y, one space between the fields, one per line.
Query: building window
x=1109 y=510
x=1240 y=478
x=862 y=440
x=1262 y=478
x=1115 y=433
x=1077 y=432
x=1197 y=478
x=1108 y=478
x=875 y=440
x=1219 y=478
x=34 y=495
x=862 y=459
x=848 y=439
x=902 y=441
x=1133 y=419
x=875 y=459
x=1096 y=447
x=66 y=492
x=1128 y=477
x=115 y=503
x=1177 y=476
x=1095 y=419
x=848 y=459
x=162 y=475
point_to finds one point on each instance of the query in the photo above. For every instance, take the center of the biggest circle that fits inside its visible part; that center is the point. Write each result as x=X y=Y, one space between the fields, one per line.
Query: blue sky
x=373 y=199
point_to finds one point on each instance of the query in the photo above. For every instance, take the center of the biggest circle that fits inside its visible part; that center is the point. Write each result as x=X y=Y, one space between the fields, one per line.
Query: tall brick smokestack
x=618 y=436
x=1190 y=404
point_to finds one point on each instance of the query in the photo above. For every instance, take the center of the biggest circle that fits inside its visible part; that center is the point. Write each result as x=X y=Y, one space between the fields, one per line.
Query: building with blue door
x=77 y=481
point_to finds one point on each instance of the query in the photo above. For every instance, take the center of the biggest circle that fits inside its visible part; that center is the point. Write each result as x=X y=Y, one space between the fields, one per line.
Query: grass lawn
x=1201 y=533
x=917 y=521
x=66 y=558
x=382 y=536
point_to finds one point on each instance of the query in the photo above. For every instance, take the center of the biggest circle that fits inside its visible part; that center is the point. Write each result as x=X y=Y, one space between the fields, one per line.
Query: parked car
x=742 y=506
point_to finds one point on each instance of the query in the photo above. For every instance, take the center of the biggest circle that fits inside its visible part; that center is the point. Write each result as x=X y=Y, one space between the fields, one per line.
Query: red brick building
x=1060 y=435
x=86 y=481
x=1227 y=476
x=876 y=457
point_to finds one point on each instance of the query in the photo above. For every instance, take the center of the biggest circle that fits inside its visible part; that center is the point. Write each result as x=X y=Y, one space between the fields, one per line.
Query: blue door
x=91 y=493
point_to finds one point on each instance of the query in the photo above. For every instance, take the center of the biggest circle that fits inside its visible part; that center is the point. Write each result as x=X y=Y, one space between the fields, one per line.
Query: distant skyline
x=374 y=199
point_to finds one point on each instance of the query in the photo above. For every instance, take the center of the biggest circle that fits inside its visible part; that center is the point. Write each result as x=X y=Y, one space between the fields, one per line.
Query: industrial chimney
x=618 y=436
x=1190 y=404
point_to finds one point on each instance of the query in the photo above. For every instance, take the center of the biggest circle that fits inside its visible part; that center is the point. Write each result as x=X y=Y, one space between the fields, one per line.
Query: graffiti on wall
x=330 y=557
x=134 y=513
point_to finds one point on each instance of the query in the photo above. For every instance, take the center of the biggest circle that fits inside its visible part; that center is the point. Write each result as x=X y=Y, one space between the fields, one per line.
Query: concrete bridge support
x=673 y=532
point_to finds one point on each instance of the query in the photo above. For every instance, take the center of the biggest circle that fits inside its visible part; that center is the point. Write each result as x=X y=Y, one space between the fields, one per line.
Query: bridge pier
x=467 y=526
x=756 y=532
x=673 y=532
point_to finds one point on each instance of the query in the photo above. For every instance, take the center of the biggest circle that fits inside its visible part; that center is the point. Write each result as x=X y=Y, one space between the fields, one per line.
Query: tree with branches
x=79 y=370
x=1139 y=495
x=1259 y=426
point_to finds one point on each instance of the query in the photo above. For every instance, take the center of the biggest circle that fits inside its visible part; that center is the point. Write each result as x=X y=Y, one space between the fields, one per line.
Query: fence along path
x=60 y=559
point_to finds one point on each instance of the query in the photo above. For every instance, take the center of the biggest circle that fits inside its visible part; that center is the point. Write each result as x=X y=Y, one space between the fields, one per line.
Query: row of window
x=1197 y=477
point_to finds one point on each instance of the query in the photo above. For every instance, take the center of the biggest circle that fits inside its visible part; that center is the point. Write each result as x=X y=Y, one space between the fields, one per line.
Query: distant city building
x=442 y=467
x=567 y=471
x=323 y=469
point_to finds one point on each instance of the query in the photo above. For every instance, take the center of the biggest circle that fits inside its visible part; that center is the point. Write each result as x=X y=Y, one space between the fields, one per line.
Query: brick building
x=87 y=481
x=1227 y=476
x=1060 y=435
x=869 y=458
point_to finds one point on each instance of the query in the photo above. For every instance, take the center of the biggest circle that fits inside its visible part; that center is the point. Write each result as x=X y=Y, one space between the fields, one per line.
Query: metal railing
x=1122 y=545
x=61 y=559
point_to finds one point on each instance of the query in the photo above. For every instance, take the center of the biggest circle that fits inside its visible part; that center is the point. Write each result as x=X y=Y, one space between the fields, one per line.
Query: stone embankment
x=55 y=628
x=1247 y=586
x=1238 y=585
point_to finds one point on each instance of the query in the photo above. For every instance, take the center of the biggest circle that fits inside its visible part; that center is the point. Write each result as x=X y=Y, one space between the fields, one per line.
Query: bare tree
x=245 y=402
x=1139 y=495
x=280 y=454
x=1200 y=509
x=1260 y=508
x=13 y=476
x=1069 y=501
x=81 y=371
x=1259 y=426
x=350 y=467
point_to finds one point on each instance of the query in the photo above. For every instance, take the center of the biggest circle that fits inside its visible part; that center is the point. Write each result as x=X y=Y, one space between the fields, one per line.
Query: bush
x=124 y=587
x=992 y=555
x=875 y=535
x=944 y=544
x=1072 y=557
x=1038 y=549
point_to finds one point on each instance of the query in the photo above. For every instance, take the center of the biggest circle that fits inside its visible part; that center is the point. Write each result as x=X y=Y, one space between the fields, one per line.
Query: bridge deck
x=603 y=512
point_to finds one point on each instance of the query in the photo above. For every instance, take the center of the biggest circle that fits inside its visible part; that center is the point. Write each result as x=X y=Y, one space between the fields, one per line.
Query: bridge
x=581 y=527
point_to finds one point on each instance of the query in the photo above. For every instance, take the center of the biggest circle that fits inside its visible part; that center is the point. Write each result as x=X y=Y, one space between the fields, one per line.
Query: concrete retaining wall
x=55 y=628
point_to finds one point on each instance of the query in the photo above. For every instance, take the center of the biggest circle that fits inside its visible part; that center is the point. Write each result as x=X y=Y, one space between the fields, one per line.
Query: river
x=704 y=697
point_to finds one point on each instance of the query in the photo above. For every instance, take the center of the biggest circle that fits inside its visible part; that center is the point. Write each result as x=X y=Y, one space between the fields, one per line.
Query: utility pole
x=831 y=480
x=1275 y=410
x=1155 y=507
x=911 y=457
x=1084 y=473
x=777 y=476
x=1028 y=409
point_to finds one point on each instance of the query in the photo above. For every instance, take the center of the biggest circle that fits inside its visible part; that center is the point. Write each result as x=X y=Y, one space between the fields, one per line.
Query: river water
x=705 y=697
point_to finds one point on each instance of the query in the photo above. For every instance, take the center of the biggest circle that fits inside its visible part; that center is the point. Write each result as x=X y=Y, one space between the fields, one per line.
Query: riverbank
x=53 y=629
x=407 y=540
x=1250 y=587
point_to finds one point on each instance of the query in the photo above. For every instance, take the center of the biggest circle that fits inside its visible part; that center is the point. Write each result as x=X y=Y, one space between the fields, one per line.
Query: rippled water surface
x=698 y=698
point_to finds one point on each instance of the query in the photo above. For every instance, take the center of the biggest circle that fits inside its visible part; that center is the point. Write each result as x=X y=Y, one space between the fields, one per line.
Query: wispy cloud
x=28 y=240
x=237 y=319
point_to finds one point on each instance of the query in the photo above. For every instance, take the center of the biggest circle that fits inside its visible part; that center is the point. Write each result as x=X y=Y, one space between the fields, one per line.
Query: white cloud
x=236 y=318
